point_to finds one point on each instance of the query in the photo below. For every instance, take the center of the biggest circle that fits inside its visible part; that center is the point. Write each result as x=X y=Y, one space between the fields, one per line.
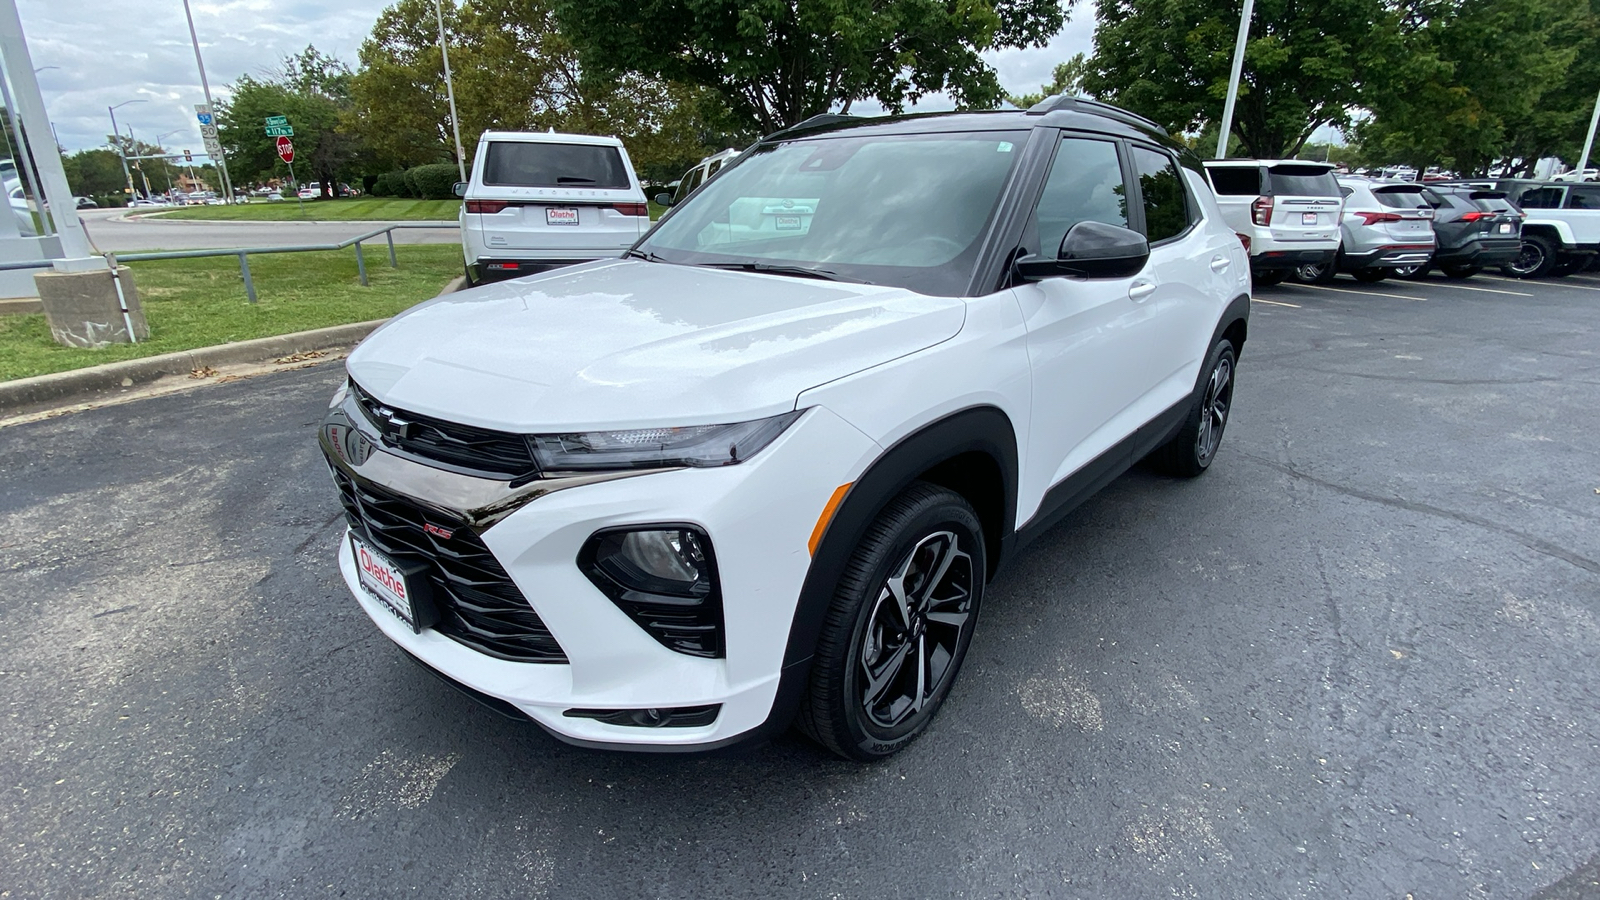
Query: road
x=1360 y=657
x=111 y=231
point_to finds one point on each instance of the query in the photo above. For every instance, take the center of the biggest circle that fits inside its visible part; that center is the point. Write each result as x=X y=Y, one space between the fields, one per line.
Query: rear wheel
x=899 y=625
x=1314 y=273
x=1412 y=273
x=1268 y=277
x=1370 y=276
x=1568 y=265
x=1537 y=258
x=1460 y=271
x=1191 y=450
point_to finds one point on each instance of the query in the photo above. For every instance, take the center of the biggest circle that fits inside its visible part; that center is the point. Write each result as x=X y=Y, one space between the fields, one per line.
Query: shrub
x=390 y=184
x=433 y=182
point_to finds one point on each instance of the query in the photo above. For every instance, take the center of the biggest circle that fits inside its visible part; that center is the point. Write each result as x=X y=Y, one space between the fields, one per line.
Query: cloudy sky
x=105 y=53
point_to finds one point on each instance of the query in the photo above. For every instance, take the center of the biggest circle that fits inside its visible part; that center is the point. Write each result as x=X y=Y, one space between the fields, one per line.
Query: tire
x=1370 y=275
x=1191 y=450
x=1413 y=273
x=1459 y=272
x=1268 y=277
x=925 y=528
x=1568 y=265
x=471 y=282
x=1315 y=273
x=1537 y=259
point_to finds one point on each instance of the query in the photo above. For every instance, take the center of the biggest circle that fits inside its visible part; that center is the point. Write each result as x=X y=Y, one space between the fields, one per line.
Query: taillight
x=1374 y=218
x=486 y=206
x=632 y=209
x=1261 y=211
x=1243 y=239
x=1475 y=216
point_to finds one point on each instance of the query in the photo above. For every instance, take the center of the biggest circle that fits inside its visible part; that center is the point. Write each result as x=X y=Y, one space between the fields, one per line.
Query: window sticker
x=1003 y=147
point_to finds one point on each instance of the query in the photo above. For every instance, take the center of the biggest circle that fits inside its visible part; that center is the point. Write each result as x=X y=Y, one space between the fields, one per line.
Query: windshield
x=903 y=210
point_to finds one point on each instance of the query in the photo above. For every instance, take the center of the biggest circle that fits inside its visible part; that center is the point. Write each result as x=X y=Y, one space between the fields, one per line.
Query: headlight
x=653 y=448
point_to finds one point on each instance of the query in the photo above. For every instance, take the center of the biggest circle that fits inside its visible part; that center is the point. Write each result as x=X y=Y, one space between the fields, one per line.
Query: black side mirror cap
x=663 y=199
x=1091 y=250
x=460 y=189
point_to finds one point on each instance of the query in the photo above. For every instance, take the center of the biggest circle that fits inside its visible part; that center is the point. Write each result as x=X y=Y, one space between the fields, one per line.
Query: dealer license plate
x=383 y=580
x=561 y=215
x=1308 y=218
x=1505 y=227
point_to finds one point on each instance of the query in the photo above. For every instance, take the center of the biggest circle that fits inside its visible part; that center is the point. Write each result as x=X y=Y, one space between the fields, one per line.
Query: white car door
x=1086 y=361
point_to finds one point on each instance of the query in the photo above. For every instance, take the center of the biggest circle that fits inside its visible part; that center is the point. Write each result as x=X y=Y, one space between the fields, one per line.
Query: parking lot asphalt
x=1360 y=657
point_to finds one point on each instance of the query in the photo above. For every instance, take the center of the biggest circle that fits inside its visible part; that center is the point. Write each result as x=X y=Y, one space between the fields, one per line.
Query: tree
x=1475 y=71
x=1067 y=78
x=777 y=62
x=94 y=173
x=312 y=90
x=1307 y=64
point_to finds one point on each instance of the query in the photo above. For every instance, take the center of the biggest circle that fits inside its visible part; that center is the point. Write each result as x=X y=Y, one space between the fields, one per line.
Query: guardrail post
x=249 y=286
x=393 y=263
x=361 y=264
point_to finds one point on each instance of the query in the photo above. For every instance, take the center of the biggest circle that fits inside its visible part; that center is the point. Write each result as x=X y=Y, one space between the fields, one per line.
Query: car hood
x=633 y=344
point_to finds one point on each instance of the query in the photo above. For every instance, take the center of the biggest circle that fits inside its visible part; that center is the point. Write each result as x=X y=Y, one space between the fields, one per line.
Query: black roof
x=1059 y=111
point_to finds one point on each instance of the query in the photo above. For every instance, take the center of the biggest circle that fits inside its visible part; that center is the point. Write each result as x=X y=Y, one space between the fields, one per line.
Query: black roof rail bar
x=814 y=121
x=1095 y=107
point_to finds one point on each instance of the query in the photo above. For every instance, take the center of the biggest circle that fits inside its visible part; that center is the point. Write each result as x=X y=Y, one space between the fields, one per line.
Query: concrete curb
x=20 y=306
x=98 y=382
x=148 y=218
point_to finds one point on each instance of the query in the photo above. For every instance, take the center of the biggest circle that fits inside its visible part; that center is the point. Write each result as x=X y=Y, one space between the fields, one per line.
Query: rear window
x=1492 y=201
x=1402 y=197
x=1303 y=181
x=522 y=164
x=1235 y=181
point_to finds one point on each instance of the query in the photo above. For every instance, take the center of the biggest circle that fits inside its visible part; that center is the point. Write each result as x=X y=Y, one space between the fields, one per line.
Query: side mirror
x=663 y=199
x=460 y=189
x=1091 y=250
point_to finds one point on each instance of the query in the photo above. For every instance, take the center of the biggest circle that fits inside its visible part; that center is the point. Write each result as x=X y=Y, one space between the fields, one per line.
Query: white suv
x=745 y=477
x=539 y=201
x=1286 y=211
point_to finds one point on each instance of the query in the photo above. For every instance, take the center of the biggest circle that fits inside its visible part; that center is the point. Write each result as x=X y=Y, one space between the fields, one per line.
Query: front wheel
x=1192 y=449
x=899 y=625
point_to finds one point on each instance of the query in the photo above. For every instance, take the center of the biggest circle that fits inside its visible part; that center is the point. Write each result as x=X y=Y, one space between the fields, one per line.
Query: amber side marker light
x=827 y=516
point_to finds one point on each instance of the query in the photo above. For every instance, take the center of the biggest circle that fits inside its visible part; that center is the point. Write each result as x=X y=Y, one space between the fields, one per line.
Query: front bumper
x=759 y=516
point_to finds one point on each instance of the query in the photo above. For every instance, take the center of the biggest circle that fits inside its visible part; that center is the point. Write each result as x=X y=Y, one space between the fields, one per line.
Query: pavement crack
x=318 y=533
x=1415 y=379
x=1536 y=544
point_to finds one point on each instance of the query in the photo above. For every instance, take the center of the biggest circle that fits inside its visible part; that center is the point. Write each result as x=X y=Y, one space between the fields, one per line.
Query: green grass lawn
x=378 y=209
x=193 y=303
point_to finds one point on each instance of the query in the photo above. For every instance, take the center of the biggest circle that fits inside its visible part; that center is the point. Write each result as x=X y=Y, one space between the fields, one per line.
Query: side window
x=712 y=169
x=1235 y=181
x=1166 y=206
x=1583 y=198
x=1084 y=185
x=691 y=180
x=1541 y=198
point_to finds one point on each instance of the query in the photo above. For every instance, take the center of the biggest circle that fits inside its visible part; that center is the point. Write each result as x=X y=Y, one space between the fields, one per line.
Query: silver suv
x=1385 y=226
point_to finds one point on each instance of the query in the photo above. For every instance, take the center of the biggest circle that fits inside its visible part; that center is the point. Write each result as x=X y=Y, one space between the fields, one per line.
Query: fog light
x=665 y=578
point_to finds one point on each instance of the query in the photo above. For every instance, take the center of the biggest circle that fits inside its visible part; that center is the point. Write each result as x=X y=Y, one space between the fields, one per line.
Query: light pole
x=116 y=136
x=449 y=89
x=1233 y=78
x=1588 y=142
x=139 y=163
x=166 y=166
x=221 y=161
x=25 y=165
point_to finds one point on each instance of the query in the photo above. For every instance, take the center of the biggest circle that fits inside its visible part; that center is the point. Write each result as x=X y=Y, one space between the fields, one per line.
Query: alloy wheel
x=1214 y=409
x=915 y=629
x=1528 y=261
x=1311 y=273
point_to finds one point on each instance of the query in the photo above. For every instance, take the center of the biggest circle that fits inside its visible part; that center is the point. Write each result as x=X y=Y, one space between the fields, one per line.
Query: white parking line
x=1462 y=287
x=1559 y=282
x=1275 y=302
x=1319 y=287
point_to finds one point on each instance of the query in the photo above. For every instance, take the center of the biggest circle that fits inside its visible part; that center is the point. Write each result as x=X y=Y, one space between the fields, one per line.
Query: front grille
x=478 y=603
x=479 y=450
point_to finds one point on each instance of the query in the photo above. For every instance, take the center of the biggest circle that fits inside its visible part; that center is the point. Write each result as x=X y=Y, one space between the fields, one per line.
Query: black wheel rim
x=1214 y=410
x=1531 y=257
x=916 y=627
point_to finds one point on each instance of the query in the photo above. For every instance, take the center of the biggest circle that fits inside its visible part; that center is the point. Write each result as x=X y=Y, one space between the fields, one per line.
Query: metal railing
x=113 y=258
x=244 y=253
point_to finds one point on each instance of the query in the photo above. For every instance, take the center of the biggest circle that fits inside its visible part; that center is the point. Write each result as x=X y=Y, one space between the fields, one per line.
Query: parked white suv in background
x=747 y=477
x=1286 y=209
x=537 y=201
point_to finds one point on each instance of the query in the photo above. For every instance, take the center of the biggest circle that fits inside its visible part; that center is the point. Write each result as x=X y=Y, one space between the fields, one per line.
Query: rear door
x=546 y=196
x=1582 y=212
x=1305 y=201
x=1237 y=187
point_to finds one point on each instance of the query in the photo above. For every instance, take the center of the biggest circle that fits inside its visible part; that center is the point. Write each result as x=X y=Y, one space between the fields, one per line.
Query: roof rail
x=1093 y=107
x=814 y=121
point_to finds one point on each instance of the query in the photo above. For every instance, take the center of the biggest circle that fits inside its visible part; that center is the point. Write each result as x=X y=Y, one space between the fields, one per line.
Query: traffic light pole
x=222 y=162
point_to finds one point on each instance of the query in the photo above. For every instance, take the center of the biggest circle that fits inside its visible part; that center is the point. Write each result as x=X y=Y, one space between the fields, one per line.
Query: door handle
x=1140 y=290
x=1219 y=263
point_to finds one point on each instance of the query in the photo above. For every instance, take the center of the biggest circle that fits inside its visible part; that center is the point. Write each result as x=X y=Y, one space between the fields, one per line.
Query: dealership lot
x=1360 y=656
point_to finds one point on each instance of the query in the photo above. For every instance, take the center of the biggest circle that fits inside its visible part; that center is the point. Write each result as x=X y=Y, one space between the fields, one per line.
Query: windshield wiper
x=645 y=255
x=771 y=269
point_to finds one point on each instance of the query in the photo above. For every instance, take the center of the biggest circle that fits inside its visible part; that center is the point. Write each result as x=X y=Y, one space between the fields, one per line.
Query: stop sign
x=286 y=149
